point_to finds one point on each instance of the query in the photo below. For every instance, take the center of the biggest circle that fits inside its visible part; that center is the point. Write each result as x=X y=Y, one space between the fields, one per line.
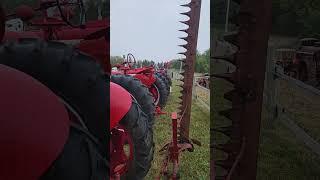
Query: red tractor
x=56 y=104
x=158 y=89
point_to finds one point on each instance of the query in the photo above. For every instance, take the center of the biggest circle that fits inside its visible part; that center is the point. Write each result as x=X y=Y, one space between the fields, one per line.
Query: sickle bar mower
x=251 y=41
x=181 y=120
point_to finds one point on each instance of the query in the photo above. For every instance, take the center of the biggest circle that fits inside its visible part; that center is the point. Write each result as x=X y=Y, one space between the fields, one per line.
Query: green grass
x=283 y=157
x=193 y=165
x=303 y=107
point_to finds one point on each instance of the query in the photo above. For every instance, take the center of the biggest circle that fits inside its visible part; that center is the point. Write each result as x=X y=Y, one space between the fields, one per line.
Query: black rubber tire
x=169 y=79
x=79 y=159
x=71 y=75
x=162 y=91
x=141 y=134
x=165 y=80
x=139 y=91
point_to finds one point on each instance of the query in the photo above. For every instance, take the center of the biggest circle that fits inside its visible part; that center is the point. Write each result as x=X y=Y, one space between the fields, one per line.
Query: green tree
x=202 y=62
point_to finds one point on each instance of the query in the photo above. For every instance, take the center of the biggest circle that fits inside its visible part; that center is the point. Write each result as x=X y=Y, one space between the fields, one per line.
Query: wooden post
x=194 y=92
x=271 y=89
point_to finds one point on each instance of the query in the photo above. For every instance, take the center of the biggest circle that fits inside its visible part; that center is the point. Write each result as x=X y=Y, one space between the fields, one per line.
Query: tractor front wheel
x=159 y=92
x=132 y=146
x=139 y=91
x=165 y=80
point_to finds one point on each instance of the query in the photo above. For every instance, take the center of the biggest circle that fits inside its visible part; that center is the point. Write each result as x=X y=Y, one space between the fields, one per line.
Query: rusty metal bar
x=251 y=40
x=189 y=66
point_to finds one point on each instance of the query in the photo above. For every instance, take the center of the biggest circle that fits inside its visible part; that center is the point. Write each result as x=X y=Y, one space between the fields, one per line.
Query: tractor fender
x=147 y=80
x=34 y=126
x=120 y=104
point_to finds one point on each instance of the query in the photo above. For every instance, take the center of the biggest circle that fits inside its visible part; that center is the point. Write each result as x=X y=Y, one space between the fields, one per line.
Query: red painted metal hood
x=34 y=126
x=120 y=103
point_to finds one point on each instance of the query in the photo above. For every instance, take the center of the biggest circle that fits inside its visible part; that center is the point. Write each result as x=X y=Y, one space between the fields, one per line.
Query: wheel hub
x=121 y=150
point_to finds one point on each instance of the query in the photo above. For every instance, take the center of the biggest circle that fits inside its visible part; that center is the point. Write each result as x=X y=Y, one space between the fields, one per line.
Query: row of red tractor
x=59 y=100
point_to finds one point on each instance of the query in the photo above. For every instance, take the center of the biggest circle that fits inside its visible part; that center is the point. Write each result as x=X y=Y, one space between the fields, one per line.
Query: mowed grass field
x=193 y=165
x=281 y=156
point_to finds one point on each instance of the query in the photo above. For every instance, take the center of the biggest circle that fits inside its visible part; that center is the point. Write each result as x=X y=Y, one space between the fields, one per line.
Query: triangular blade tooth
x=186 y=13
x=231 y=147
x=184 y=38
x=186 y=5
x=182 y=53
x=227 y=130
x=183 y=30
x=181 y=108
x=181 y=85
x=231 y=58
x=226 y=163
x=183 y=46
x=232 y=38
x=185 y=22
x=229 y=95
x=226 y=113
x=230 y=77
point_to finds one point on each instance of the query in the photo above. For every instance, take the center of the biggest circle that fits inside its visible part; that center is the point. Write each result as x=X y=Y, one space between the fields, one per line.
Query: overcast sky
x=149 y=28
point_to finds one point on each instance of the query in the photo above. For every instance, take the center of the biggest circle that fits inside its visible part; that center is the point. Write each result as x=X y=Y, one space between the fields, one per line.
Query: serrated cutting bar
x=188 y=65
x=251 y=40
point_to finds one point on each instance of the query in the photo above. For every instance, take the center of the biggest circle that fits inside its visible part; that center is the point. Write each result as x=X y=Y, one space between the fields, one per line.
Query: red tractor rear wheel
x=132 y=145
x=139 y=91
x=81 y=86
x=73 y=76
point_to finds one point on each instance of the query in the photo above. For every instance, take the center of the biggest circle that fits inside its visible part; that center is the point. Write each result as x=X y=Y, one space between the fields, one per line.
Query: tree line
x=289 y=17
x=202 y=62
x=114 y=60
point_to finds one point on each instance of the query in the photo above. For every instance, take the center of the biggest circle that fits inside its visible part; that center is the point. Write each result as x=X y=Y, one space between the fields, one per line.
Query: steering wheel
x=2 y=23
x=78 y=3
x=130 y=57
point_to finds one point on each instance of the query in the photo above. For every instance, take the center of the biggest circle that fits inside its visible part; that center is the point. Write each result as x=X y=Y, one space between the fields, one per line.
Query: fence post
x=270 y=99
x=194 y=91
